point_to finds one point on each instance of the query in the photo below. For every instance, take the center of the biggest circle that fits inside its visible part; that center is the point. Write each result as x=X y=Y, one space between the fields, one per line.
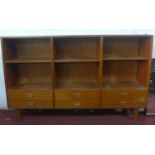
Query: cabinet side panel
x=144 y=67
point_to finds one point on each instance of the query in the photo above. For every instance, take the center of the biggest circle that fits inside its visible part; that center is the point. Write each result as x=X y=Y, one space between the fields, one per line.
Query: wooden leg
x=135 y=114
x=145 y=111
x=19 y=115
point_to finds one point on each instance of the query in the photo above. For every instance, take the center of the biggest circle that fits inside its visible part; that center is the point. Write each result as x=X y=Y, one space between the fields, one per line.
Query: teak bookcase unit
x=81 y=72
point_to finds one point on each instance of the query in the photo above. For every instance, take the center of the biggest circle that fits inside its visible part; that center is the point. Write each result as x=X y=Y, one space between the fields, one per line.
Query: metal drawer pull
x=77 y=103
x=30 y=103
x=142 y=99
x=30 y=95
x=78 y=94
x=124 y=93
x=123 y=102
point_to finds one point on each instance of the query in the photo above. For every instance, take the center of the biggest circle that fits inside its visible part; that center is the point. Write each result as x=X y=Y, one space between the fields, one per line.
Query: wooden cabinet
x=72 y=72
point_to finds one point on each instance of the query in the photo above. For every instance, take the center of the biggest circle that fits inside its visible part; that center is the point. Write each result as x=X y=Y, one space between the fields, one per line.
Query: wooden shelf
x=75 y=60
x=124 y=58
x=28 y=61
x=31 y=86
x=77 y=85
x=122 y=85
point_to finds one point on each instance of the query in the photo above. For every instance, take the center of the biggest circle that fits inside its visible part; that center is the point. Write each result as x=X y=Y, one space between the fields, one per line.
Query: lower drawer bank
x=72 y=99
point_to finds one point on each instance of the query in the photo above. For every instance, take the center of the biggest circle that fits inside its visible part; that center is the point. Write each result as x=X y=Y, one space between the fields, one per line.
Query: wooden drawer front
x=112 y=99
x=123 y=98
x=138 y=98
x=70 y=93
x=77 y=99
x=29 y=95
x=86 y=103
x=30 y=104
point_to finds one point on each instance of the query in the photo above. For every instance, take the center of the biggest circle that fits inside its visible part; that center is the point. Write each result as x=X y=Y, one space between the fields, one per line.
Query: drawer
x=79 y=103
x=32 y=94
x=76 y=93
x=124 y=98
x=138 y=98
x=77 y=98
x=30 y=104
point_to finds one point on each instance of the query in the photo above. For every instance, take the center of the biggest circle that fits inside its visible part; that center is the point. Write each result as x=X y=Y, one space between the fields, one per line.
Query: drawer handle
x=30 y=103
x=142 y=99
x=124 y=93
x=77 y=94
x=30 y=95
x=123 y=102
x=77 y=103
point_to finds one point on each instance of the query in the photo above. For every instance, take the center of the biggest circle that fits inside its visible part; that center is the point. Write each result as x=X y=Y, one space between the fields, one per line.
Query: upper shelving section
x=76 y=49
x=27 y=50
x=126 y=48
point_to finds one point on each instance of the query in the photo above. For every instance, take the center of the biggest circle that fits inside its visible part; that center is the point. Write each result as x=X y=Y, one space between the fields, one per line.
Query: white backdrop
x=42 y=32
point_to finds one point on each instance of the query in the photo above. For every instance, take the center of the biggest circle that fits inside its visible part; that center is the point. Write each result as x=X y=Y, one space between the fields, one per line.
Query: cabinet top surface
x=79 y=36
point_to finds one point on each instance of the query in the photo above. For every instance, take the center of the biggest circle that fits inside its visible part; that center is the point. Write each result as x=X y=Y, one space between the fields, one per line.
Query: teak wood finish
x=76 y=72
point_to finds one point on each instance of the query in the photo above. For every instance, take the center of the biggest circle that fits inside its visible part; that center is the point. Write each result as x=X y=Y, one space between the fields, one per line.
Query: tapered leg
x=19 y=115
x=135 y=114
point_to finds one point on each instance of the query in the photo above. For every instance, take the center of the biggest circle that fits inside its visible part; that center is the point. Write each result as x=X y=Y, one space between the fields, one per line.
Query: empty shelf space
x=76 y=75
x=27 y=49
x=29 y=76
x=125 y=48
x=70 y=48
x=78 y=85
x=122 y=85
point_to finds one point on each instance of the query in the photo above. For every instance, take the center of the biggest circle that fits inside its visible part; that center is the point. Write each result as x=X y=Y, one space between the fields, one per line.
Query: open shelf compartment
x=77 y=75
x=126 y=48
x=78 y=49
x=27 y=50
x=124 y=74
x=29 y=76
